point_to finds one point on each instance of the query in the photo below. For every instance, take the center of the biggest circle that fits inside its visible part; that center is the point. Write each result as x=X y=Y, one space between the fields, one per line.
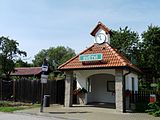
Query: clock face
x=100 y=38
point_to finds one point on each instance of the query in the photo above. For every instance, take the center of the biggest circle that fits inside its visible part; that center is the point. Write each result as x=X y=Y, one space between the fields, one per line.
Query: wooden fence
x=30 y=91
x=6 y=89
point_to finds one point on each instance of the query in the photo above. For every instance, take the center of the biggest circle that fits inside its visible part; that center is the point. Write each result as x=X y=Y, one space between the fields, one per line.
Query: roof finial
x=99 y=22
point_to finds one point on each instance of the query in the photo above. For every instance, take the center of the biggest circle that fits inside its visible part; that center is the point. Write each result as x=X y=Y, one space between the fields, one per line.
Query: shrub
x=4 y=104
x=154 y=109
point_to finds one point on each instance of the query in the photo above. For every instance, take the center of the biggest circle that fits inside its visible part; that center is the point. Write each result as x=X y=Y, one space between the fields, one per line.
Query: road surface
x=11 y=116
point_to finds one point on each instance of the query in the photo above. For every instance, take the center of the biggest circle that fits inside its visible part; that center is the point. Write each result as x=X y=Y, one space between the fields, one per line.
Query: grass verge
x=6 y=106
x=10 y=109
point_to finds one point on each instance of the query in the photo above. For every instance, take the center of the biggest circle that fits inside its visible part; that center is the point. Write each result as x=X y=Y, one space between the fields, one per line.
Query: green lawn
x=6 y=106
x=10 y=109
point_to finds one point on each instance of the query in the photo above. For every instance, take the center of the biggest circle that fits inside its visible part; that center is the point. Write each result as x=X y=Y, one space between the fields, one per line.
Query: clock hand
x=100 y=37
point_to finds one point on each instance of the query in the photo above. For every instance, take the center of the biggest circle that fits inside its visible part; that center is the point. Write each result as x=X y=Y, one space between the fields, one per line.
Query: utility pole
x=44 y=78
x=42 y=95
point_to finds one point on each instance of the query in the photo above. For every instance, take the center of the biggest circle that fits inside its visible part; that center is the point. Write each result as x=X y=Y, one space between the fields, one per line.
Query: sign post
x=44 y=77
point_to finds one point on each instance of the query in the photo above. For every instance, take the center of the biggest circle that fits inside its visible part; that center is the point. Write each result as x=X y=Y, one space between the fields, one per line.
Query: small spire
x=100 y=25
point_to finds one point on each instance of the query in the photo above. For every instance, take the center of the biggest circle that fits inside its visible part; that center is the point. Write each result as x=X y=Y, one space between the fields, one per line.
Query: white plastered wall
x=99 y=91
x=82 y=76
x=129 y=81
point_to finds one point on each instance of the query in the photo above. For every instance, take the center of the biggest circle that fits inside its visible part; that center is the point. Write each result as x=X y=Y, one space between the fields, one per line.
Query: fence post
x=1 y=88
x=14 y=91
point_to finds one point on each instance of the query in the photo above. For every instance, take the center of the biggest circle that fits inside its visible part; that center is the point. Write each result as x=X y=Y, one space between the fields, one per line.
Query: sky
x=41 y=24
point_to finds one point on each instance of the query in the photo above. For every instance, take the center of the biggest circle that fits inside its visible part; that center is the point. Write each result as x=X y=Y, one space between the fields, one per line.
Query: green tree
x=56 y=56
x=150 y=50
x=38 y=58
x=21 y=63
x=8 y=52
x=127 y=42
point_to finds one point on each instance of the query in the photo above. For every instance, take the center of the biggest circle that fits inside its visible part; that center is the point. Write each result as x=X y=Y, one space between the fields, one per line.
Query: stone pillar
x=68 y=89
x=119 y=90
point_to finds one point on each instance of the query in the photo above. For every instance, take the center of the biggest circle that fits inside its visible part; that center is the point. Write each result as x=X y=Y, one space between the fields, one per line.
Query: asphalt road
x=11 y=116
x=74 y=113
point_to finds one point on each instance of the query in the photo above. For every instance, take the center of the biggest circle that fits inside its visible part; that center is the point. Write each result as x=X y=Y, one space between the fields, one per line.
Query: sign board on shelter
x=91 y=57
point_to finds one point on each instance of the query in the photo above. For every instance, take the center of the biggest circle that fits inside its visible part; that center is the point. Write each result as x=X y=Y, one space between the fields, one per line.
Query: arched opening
x=101 y=89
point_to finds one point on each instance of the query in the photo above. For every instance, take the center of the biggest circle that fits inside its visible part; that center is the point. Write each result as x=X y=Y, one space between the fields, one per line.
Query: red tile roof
x=26 y=71
x=111 y=59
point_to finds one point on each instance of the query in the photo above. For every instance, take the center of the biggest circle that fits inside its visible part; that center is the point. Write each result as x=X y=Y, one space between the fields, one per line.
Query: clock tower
x=101 y=34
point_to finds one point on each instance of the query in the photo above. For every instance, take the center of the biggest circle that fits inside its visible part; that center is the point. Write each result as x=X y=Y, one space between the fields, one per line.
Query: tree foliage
x=56 y=56
x=8 y=52
x=145 y=53
x=21 y=63
x=150 y=50
x=126 y=41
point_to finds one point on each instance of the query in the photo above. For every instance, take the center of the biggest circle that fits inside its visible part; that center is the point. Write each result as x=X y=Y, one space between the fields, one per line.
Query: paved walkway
x=10 y=116
x=86 y=113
